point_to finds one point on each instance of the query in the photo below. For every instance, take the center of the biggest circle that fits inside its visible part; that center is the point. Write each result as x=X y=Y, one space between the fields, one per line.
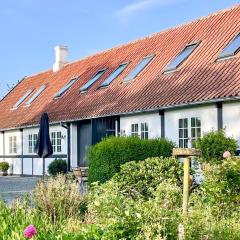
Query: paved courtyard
x=13 y=187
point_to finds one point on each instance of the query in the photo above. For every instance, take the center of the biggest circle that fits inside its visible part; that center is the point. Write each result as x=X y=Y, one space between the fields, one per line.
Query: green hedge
x=106 y=157
x=213 y=144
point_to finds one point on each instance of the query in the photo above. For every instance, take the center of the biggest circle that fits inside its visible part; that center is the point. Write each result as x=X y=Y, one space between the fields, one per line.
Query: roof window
x=21 y=100
x=65 y=88
x=35 y=95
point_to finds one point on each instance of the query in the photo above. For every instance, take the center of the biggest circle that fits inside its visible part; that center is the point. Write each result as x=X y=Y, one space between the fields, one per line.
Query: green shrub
x=214 y=144
x=106 y=157
x=4 y=166
x=142 y=178
x=222 y=186
x=58 y=198
x=58 y=166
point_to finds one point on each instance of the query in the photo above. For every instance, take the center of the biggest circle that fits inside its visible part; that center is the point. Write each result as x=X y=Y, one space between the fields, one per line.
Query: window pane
x=180 y=143
x=35 y=95
x=185 y=123
x=185 y=143
x=185 y=133
x=181 y=57
x=193 y=133
x=145 y=61
x=65 y=88
x=180 y=133
x=198 y=132
x=114 y=75
x=87 y=85
x=22 y=99
x=180 y=123
x=232 y=48
x=198 y=122
x=193 y=122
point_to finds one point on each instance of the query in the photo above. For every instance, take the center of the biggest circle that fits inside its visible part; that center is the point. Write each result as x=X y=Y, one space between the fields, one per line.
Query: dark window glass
x=21 y=100
x=114 y=75
x=232 y=48
x=65 y=88
x=145 y=61
x=35 y=95
x=87 y=85
x=176 y=62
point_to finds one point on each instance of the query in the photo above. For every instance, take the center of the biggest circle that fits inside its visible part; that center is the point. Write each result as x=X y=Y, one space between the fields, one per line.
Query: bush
x=142 y=178
x=106 y=157
x=57 y=166
x=214 y=144
x=58 y=198
x=4 y=166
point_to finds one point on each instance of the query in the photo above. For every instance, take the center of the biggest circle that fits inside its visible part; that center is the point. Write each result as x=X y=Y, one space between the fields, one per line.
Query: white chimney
x=61 y=53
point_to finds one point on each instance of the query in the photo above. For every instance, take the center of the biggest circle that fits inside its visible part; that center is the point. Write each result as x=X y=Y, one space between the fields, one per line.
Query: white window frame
x=56 y=139
x=32 y=140
x=134 y=130
x=144 y=130
x=12 y=144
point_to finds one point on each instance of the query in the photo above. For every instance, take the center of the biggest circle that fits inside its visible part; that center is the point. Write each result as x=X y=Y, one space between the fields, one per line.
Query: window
x=22 y=99
x=134 y=130
x=65 y=88
x=232 y=48
x=35 y=95
x=56 y=138
x=195 y=130
x=183 y=133
x=186 y=52
x=114 y=75
x=32 y=140
x=12 y=144
x=145 y=61
x=144 y=131
x=87 y=85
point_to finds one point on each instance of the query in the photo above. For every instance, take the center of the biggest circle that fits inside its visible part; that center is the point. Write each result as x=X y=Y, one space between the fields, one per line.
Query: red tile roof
x=198 y=79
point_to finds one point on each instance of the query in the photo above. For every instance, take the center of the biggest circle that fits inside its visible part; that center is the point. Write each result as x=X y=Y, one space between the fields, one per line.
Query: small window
x=35 y=95
x=145 y=61
x=21 y=100
x=13 y=144
x=186 y=52
x=195 y=130
x=134 y=130
x=144 y=131
x=32 y=140
x=232 y=48
x=56 y=138
x=65 y=88
x=87 y=85
x=183 y=133
x=114 y=75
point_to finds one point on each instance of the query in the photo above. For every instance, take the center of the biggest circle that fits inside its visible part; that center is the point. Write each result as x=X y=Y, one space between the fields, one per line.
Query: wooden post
x=186 y=181
x=186 y=153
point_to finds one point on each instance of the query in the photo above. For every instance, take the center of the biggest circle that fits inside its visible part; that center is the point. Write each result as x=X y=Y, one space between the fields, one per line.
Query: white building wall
x=231 y=119
x=207 y=114
x=73 y=144
x=1 y=144
x=153 y=120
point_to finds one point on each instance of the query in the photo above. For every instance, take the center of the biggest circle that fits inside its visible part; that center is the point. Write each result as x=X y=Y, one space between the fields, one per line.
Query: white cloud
x=143 y=5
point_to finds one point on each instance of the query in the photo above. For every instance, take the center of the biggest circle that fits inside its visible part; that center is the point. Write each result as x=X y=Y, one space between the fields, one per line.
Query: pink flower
x=226 y=154
x=30 y=232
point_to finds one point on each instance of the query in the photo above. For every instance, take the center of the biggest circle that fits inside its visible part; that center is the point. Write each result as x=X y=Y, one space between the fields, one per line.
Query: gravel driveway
x=12 y=187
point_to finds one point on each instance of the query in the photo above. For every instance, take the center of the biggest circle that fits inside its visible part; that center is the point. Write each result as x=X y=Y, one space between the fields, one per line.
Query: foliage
x=4 y=166
x=142 y=178
x=221 y=187
x=58 y=198
x=57 y=166
x=214 y=144
x=106 y=157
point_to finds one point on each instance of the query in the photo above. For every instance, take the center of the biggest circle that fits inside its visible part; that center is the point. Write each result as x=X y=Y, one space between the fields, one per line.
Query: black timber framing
x=162 y=117
x=219 y=115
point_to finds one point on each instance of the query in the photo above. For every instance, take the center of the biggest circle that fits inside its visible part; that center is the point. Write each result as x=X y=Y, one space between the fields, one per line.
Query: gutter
x=156 y=109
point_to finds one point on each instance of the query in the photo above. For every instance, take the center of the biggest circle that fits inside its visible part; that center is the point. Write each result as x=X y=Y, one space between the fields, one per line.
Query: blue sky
x=30 y=29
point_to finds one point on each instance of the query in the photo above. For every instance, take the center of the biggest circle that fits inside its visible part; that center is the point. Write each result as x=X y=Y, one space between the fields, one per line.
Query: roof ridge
x=157 y=33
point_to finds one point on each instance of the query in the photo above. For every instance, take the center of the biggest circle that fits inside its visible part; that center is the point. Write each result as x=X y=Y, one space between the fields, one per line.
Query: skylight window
x=145 y=61
x=35 y=95
x=176 y=62
x=86 y=86
x=21 y=100
x=114 y=75
x=232 y=48
x=65 y=88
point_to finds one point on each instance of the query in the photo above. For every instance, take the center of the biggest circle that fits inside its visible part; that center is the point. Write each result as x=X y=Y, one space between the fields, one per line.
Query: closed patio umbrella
x=43 y=147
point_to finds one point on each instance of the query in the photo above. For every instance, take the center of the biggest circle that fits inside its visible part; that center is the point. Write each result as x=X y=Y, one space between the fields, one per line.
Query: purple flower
x=30 y=232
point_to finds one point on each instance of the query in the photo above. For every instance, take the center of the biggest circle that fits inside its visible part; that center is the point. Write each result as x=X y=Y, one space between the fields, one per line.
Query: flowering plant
x=30 y=232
